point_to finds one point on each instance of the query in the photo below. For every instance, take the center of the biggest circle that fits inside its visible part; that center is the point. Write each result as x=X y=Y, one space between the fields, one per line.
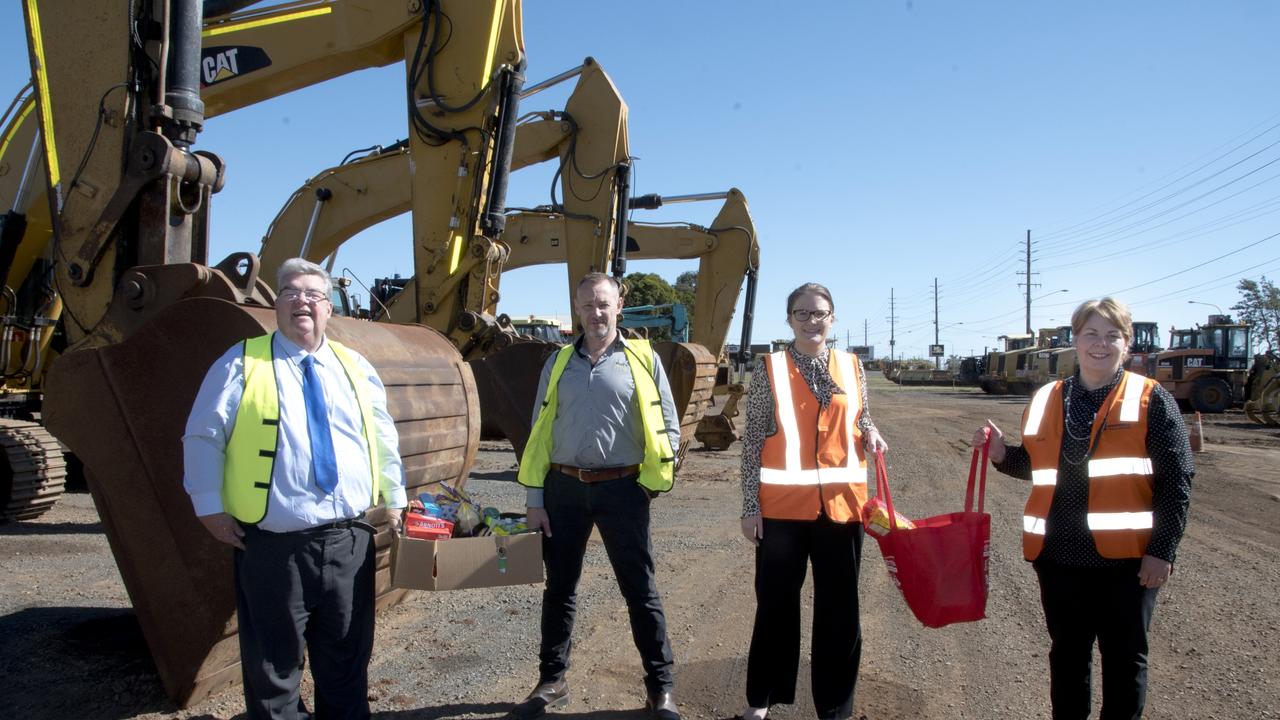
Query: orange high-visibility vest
x=814 y=463
x=1119 y=470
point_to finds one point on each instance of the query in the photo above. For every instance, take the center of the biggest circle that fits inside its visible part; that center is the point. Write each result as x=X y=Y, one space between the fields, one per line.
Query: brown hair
x=1109 y=309
x=807 y=288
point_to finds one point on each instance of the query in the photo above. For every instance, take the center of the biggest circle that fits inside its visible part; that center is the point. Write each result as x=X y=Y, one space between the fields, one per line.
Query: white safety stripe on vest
x=1044 y=477
x=844 y=361
x=1132 y=399
x=826 y=476
x=1032 y=524
x=1036 y=414
x=1121 y=521
x=1120 y=466
x=788 y=425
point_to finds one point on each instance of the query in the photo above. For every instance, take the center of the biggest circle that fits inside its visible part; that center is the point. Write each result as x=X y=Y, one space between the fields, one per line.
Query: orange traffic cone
x=1197 y=435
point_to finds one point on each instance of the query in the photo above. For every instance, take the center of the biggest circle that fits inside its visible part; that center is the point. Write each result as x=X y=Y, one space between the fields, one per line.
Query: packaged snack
x=876 y=518
x=425 y=527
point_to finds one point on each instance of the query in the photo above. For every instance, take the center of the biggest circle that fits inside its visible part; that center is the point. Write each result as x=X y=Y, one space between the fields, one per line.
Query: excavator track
x=34 y=471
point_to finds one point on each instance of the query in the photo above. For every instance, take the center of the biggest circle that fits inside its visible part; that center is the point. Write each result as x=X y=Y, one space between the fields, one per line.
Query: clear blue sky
x=880 y=145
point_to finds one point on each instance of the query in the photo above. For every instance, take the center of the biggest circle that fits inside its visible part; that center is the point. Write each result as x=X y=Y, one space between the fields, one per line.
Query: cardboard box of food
x=460 y=563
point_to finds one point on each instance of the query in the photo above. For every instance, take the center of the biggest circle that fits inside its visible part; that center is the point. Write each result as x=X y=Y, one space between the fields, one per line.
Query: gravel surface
x=70 y=647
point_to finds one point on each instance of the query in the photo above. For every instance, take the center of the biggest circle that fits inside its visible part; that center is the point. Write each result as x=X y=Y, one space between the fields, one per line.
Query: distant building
x=866 y=353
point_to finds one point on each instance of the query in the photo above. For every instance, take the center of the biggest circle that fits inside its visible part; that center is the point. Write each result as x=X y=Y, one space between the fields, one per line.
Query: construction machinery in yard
x=119 y=95
x=1206 y=368
x=1002 y=366
x=669 y=320
x=116 y=112
x=1262 y=389
x=1054 y=357
x=260 y=53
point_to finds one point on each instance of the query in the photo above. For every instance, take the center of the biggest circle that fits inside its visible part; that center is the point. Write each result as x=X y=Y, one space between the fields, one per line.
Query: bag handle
x=882 y=489
x=973 y=471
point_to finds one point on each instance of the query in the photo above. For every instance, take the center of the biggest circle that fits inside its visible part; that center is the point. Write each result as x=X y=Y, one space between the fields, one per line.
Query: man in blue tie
x=288 y=443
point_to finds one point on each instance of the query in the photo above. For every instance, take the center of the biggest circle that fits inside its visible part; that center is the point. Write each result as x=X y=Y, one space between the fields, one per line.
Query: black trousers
x=1082 y=604
x=782 y=559
x=620 y=509
x=312 y=588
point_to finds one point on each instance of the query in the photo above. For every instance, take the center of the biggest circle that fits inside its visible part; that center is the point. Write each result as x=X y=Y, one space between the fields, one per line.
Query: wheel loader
x=1003 y=365
x=1262 y=389
x=1206 y=368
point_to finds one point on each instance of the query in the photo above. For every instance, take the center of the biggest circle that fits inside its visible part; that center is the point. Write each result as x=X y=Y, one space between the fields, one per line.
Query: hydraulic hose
x=495 y=217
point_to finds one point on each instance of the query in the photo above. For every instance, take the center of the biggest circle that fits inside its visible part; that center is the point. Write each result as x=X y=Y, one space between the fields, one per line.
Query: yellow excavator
x=32 y=470
x=239 y=57
x=588 y=231
x=117 y=108
x=118 y=97
x=260 y=53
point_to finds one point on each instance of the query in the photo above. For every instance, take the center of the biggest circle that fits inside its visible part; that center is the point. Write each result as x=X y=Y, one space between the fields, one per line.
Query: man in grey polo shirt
x=603 y=451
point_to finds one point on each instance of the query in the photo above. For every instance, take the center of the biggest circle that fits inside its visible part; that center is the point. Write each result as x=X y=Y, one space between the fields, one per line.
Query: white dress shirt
x=294 y=501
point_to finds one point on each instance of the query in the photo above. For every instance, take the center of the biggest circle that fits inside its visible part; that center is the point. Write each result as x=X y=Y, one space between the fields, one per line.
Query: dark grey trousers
x=312 y=589
x=620 y=509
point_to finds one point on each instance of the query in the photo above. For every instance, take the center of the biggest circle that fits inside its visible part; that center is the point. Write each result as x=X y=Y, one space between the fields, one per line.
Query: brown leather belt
x=587 y=475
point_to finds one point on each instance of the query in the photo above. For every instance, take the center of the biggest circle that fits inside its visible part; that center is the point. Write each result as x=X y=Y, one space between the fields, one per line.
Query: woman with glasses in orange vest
x=1110 y=467
x=804 y=482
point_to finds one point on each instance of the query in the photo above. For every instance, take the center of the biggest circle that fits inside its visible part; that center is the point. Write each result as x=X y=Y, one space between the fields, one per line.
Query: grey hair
x=298 y=266
x=598 y=277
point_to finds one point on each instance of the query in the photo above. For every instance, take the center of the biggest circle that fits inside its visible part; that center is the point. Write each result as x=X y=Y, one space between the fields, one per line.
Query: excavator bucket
x=718 y=432
x=691 y=370
x=122 y=409
x=507 y=383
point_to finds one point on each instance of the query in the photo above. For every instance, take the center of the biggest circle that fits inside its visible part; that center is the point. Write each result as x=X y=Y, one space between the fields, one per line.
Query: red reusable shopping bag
x=939 y=563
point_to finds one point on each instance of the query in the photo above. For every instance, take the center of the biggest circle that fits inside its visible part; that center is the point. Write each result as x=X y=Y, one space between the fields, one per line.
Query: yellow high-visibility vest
x=657 y=470
x=255 y=436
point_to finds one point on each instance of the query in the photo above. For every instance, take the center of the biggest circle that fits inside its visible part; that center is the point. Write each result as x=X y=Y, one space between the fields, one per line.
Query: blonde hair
x=1109 y=309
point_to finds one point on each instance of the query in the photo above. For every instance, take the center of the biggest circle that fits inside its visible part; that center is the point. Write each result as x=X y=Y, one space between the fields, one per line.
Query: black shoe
x=546 y=695
x=662 y=706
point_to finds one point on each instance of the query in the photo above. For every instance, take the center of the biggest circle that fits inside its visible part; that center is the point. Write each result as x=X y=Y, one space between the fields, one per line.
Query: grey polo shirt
x=597 y=422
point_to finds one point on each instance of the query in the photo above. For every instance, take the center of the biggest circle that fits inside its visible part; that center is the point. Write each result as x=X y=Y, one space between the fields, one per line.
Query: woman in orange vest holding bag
x=1110 y=467
x=804 y=481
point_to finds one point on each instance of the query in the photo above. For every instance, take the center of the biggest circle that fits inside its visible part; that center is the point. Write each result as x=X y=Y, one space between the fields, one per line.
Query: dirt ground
x=70 y=647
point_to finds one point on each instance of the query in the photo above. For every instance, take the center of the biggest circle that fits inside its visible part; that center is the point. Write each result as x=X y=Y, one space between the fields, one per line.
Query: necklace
x=1084 y=438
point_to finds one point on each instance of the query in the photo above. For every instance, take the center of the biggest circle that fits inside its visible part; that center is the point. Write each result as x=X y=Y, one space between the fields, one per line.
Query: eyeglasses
x=804 y=315
x=311 y=296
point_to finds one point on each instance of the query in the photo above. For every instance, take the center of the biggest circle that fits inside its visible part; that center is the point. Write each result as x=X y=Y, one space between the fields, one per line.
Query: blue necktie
x=323 y=460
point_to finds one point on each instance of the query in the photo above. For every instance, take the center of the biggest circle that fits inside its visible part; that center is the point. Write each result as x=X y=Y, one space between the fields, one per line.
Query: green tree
x=1259 y=308
x=686 y=288
x=648 y=289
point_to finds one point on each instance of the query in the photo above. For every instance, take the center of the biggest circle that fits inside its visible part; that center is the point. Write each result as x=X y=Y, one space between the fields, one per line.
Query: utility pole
x=892 y=327
x=1029 y=284
x=864 y=331
x=937 y=360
